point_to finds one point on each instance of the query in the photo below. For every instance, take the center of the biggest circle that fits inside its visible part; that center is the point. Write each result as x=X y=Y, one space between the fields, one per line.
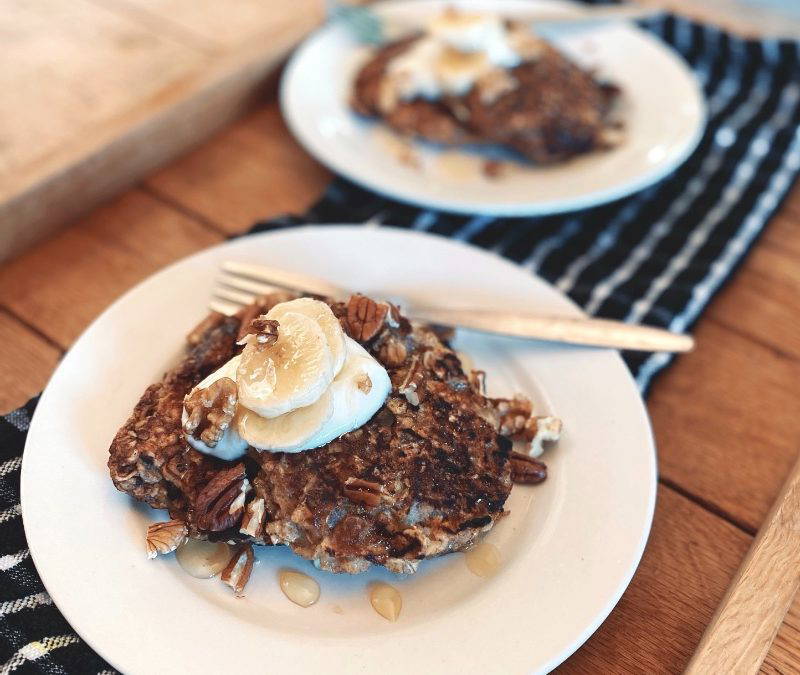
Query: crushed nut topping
x=365 y=317
x=477 y=380
x=165 y=537
x=546 y=429
x=363 y=383
x=393 y=352
x=513 y=415
x=253 y=519
x=210 y=411
x=213 y=505
x=264 y=331
x=362 y=492
x=237 y=572
x=525 y=469
x=412 y=385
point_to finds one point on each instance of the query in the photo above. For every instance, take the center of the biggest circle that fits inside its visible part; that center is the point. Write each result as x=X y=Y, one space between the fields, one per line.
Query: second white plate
x=664 y=119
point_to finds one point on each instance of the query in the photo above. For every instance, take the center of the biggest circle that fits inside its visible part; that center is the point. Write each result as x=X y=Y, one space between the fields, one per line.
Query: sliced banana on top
x=289 y=432
x=325 y=318
x=291 y=373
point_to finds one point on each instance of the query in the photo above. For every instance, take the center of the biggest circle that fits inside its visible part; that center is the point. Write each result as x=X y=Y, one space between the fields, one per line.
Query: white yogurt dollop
x=355 y=394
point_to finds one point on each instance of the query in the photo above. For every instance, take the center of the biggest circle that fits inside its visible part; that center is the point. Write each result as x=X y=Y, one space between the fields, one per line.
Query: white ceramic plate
x=664 y=118
x=569 y=546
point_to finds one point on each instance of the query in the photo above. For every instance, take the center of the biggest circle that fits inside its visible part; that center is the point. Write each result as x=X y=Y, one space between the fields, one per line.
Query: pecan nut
x=220 y=503
x=362 y=492
x=412 y=386
x=210 y=411
x=253 y=519
x=545 y=429
x=526 y=469
x=365 y=317
x=165 y=537
x=393 y=352
x=237 y=572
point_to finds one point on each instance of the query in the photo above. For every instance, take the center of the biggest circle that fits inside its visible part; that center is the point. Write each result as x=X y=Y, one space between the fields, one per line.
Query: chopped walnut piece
x=262 y=331
x=210 y=411
x=365 y=317
x=253 y=519
x=513 y=414
x=217 y=505
x=477 y=380
x=165 y=537
x=362 y=492
x=545 y=429
x=393 y=352
x=237 y=573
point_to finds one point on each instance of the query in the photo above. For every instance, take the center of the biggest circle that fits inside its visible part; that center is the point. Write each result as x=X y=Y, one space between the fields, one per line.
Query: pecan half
x=165 y=537
x=362 y=492
x=210 y=411
x=237 y=573
x=365 y=317
x=526 y=469
x=221 y=502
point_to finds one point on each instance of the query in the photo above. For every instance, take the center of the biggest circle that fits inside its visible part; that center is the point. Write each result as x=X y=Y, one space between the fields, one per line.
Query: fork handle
x=577 y=331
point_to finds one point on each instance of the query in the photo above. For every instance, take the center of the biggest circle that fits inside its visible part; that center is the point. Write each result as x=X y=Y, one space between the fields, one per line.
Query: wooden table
x=726 y=417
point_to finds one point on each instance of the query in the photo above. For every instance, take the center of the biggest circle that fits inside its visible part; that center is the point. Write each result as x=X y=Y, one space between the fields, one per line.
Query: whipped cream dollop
x=456 y=50
x=308 y=388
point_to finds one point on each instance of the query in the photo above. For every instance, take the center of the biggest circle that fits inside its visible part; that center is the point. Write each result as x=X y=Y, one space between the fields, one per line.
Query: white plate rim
x=28 y=482
x=463 y=205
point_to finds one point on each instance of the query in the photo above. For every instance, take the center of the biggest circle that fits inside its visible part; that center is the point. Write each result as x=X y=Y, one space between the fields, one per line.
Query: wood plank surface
x=685 y=570
x=26 y=362
x=131 y=92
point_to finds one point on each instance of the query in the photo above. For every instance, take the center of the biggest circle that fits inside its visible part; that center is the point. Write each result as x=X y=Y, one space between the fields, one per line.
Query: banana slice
x=291 y=373
x=289 y=432
x=322 y=314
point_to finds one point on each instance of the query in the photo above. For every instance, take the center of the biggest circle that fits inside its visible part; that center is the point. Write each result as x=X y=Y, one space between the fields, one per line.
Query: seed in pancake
x=483 y=559
x=300 y=588
x=386 y=600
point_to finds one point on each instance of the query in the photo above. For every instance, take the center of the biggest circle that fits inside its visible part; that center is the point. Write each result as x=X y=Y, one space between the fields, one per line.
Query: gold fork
x=240 y=284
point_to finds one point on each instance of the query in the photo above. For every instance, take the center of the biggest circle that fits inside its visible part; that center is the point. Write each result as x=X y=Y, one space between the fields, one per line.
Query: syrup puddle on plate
x=385 y=600
x=483 y=559
x=203 y=559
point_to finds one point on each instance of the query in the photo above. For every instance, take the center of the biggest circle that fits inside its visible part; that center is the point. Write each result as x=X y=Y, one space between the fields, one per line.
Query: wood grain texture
x=685 y=570
x=744 y=625
x=150 y=98
x=784 y=654
x=253 y=170
x=64 y=283
x=727 y=421
x=26 y=362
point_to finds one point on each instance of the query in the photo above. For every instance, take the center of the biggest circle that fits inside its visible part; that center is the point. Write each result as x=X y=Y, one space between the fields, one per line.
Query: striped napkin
x=656 y=257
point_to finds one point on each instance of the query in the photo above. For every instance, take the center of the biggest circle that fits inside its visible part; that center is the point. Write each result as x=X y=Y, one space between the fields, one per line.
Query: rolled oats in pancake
x=426 y=475
x=544 y=107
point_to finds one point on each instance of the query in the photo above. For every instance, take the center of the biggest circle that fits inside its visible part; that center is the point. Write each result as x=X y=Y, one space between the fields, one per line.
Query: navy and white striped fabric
x=656 y=257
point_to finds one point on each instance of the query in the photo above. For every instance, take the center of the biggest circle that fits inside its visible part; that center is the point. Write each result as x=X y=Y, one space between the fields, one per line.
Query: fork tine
x=290 y=280
x=234 y=296
x=242 y=284
x=223 y=307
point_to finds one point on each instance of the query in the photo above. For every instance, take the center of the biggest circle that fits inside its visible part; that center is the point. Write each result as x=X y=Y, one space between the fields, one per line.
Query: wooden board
x=106 y=91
